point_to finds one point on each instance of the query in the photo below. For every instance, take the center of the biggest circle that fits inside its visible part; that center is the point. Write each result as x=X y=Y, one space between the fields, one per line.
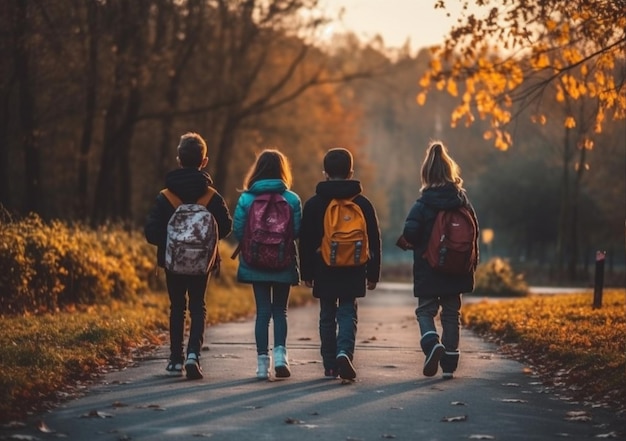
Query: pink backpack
x=268 y=241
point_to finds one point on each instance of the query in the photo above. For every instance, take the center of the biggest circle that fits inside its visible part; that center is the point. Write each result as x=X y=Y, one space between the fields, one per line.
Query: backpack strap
x=172 y=198
x=176 y=201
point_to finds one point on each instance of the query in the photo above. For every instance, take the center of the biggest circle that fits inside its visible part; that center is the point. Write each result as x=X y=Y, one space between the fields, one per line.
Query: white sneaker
x=263 y=367
x=281 y=364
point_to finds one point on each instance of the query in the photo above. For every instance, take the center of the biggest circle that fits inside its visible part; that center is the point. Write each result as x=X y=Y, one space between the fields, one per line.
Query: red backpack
x=268 y=241
x=452 y=245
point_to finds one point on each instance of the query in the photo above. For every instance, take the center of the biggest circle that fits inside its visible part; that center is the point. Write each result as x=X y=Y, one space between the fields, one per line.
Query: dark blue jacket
x=189 y=184
x=417 y=228
x=329 y=282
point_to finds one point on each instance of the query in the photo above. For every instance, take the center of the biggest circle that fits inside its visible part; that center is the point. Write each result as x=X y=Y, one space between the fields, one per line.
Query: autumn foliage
x=575 y=348
x=532 y=52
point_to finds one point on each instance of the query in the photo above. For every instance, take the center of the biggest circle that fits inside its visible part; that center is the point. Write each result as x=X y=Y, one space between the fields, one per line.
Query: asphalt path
x=491 y=397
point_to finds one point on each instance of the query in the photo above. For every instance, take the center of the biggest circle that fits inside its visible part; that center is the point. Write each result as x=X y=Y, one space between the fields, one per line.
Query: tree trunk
x=224 y=154
x=28 y=125
x=562 y=237
x=91 y=78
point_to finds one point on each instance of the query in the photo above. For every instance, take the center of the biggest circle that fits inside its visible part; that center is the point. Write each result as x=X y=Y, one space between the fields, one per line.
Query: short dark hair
x=338 y=163
x=191 y=149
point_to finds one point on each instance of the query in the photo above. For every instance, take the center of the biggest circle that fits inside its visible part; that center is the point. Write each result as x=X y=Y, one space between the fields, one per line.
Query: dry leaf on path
x=454 y=419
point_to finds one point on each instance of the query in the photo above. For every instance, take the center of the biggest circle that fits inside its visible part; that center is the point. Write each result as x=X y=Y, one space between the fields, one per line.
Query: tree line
x=95 y=94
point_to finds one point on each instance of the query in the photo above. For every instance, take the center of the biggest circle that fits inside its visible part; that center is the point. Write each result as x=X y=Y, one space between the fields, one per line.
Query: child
x=338 y=288
x=189 y=183
x=442 y=189
x=270 y=175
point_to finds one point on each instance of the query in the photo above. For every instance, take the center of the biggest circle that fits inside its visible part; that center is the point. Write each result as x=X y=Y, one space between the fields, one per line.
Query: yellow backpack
x=345 y=241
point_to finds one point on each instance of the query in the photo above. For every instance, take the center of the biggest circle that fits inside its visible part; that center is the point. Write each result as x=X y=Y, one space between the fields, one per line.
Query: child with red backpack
x=266 y=223
x=442 y=269
x=340 y=257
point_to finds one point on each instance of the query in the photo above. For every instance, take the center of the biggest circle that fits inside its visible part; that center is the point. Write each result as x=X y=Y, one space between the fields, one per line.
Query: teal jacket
x=245 y=273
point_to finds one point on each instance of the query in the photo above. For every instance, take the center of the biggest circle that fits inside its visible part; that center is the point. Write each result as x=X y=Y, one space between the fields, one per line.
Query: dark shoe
x=345 y=367
x=331 y=374
x=174 y=369
x=431 y=365
x=192 y=367
x=447 y=376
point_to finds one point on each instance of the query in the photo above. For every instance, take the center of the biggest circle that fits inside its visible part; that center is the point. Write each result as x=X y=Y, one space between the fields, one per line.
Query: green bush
x=45 y=266
x=496 y=278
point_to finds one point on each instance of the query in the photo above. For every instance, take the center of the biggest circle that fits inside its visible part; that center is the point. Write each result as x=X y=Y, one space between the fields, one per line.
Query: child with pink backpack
x=266 y=222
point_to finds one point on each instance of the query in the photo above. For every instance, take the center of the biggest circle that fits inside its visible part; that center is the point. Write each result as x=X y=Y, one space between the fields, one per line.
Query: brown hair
x=269 y=164
x=191 y=149
x=439 y=168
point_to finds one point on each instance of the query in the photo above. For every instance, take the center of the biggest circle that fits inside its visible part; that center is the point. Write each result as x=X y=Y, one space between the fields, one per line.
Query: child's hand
x=403 y=244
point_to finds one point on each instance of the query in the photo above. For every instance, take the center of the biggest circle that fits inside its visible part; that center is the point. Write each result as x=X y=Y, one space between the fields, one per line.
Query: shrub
x=496 y=278
x=45 y=266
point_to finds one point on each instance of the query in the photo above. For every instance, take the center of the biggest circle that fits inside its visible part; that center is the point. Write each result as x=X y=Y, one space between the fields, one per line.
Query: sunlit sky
x=395 y=20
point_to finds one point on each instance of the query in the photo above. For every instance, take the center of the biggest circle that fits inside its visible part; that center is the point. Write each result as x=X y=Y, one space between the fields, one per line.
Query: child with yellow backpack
x=340 y=257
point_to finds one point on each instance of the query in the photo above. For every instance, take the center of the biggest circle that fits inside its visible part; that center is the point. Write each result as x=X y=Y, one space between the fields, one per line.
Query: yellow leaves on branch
x=572 y=51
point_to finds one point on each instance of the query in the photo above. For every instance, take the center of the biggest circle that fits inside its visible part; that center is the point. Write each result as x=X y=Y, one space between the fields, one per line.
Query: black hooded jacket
x=417 y=228
x=189 y=184
x=330 y=282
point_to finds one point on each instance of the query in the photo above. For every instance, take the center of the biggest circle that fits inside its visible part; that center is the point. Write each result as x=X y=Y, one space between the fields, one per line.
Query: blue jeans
x=180 y=287
x=427 y=310
x=271 y=303
x=338 y=322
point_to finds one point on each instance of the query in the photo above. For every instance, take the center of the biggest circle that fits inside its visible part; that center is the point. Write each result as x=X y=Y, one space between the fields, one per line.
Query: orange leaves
x=569 y=52
x=570 y=122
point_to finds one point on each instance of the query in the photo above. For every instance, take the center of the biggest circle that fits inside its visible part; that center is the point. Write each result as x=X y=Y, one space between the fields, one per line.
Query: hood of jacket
x=188 y=183
x=339 y=189
x=267 y=186
x=444 y=198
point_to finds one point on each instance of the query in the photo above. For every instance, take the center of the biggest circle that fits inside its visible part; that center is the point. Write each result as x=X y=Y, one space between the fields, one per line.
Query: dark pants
x=271 y=303
x=338 y=322
x=450 y=317
x=180 y=288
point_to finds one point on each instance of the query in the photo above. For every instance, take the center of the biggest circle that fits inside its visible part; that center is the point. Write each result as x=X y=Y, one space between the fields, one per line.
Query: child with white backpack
x=186 y=221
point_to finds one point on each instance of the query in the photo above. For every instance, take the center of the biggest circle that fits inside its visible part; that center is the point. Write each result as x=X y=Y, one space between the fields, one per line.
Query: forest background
x=94 y=96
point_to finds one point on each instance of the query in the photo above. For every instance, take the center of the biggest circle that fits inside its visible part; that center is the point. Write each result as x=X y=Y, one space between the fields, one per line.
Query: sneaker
x=174 y=369
x=346 y=369
x=447 y=376
x=192 y=367
x=331 y=374
x=431 y=365
x=263 y=367
x=281 y=364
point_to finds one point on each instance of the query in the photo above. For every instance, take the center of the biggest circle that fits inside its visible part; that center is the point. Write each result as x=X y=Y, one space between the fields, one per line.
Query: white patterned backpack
x=192 y=236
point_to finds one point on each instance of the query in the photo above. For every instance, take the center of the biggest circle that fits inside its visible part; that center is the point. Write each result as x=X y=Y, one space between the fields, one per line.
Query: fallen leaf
x=119 y=404
x=24 y=437
x=310 y=426
x=96 y=414
x=304 y=338
x=387 y=436
x=293 y=421
x=252 y=407
x=202 y=435
x=607 y=435
x=481 y=436
x=457 y=403
x=43 y=427
x=13 y=425
x=454 y=419
x=513 y=400
x=510 y=384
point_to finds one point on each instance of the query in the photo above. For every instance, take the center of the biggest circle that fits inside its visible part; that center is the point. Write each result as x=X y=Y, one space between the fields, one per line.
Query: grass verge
x=572 y=346
x=51 y=357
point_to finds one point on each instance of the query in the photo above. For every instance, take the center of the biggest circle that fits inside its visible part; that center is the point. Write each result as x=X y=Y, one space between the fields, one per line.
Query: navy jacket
x=330 y=282
x=417 y=228
x=189 y=184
